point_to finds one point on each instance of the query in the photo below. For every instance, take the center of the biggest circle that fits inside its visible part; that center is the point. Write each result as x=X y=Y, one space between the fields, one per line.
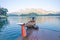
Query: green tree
x=3 y=11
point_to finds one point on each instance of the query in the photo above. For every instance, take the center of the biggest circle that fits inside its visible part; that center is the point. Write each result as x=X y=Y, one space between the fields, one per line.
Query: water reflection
x=29 y=35
x=13 y=30
x=39 y=19
x=29 y=32
x=3 y=21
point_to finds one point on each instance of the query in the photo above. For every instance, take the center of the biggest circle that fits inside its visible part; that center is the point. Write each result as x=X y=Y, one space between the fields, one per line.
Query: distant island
x=34 y=14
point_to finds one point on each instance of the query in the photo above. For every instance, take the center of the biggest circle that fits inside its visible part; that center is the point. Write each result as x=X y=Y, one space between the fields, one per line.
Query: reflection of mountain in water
x=3 y=21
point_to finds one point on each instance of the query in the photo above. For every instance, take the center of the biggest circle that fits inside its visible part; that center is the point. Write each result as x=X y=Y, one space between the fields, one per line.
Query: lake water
x=10 y=29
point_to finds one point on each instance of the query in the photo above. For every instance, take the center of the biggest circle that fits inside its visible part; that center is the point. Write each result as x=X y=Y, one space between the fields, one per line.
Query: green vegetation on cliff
x=3 y=12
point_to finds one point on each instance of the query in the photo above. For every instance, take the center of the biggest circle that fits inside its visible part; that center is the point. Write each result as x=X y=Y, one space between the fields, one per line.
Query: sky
x=14 y=5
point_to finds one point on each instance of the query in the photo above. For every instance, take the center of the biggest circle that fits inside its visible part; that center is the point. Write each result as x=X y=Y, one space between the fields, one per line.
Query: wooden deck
x=41 y=34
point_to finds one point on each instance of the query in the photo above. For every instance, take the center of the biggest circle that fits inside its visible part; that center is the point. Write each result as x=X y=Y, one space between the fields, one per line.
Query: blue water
x=50 y=26
x=11 y=30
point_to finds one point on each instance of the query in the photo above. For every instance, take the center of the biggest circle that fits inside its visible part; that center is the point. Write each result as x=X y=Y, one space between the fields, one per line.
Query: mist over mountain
x=37 y=12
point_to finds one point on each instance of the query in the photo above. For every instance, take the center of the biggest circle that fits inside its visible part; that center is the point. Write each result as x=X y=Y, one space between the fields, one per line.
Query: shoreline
x=2 y=16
